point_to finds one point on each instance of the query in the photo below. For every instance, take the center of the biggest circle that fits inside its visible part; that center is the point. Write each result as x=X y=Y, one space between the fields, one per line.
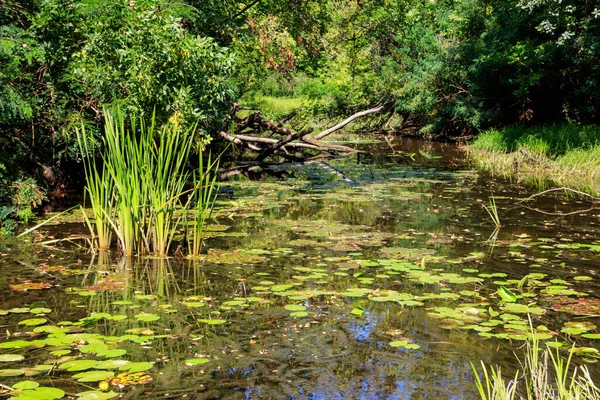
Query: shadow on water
x=368 y=277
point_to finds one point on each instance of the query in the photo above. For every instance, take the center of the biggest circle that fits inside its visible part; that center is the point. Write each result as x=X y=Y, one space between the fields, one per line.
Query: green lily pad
x=33 y=321
x=112 y=364
x=299 y=314
x=196 y=361
x=40 y=310
x=78 y=365
x=212 y=321
x=137 y=367
x=295 y=307
x=96 y=395
x=42 y=393
x=92 y=376
x=26 y=385
x=112 y=353
x=147 y=317
x=11 y=372
x=11 y=357
x=405 y=344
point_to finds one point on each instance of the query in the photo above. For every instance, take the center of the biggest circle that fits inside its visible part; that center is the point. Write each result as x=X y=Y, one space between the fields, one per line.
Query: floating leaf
x=112 y=353
x=112 y=364
x=92 y=376
x=299 y=314
x=591 y=335
x=11 y=357
x=43 y=393
x=33 y=321
x=212 y=321
x=59 y=353
x=506 y=295
x=405 y=344
x=78 y=365
x=40 y=310
x=26 y=385
x=97 y=395
x=11 y=372
x=196 y=361
x=147 y=317
x=295 y=307
x=357 y=310
x=194 y=304
x=137 y=367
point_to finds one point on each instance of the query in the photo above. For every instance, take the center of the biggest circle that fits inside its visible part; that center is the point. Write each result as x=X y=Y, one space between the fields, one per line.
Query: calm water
x=312 y=271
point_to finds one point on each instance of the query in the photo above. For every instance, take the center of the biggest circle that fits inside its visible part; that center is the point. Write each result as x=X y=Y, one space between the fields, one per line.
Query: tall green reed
x=203 y=201
x=144 y=176
x=99 y=190
x=545 y=374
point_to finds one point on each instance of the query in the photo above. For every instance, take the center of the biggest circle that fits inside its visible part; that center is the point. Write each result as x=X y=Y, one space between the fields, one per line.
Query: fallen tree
x=262 y=139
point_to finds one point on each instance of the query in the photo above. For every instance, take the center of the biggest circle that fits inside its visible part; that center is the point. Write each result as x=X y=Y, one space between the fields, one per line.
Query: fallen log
x=347 y=121
x=255 y=133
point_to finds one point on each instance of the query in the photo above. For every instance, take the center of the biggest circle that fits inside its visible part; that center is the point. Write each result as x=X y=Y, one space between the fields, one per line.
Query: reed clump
x=545 y=374
x=139 y=192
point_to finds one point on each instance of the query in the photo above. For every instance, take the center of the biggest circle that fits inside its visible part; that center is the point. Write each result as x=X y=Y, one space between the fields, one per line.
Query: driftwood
x=268 y=139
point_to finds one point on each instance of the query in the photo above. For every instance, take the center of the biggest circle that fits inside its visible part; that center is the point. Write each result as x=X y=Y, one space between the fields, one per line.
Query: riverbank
x=560 y=155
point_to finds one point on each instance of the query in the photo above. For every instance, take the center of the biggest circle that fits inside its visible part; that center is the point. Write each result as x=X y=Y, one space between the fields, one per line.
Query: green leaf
x=11 y=372
x=92 y=376
x=146 y=317
x=196 y=361
x=40 y=310
x=112 y=353
x=405 y=344
x=212 y=321
x=591 y=335
x=137 y=367
x=26 y=385
x=506 y=295
x=78 y=365
x=298 y=314
x=112 y=364
x=11 y=357
x=33 y=321
x=97 y=395
x=295 y=307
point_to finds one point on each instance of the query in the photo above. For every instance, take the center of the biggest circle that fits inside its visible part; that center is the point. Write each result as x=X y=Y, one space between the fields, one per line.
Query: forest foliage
x=444 y=66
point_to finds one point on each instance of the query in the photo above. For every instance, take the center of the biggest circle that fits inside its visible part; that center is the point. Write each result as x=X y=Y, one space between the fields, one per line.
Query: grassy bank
x=559 y=155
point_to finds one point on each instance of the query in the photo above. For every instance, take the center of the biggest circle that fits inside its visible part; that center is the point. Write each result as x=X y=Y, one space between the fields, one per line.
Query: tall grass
x=99 y=190
x=566 y=155
x=492 y=210
x=203 y=202
x=140 y=192
x=544 y=375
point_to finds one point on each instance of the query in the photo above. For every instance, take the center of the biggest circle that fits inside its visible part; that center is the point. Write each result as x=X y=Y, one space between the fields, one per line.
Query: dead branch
x=270 y=138
x=347 y=121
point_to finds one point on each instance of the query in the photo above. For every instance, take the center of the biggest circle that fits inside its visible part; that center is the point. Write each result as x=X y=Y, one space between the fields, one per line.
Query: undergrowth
x=566 y=155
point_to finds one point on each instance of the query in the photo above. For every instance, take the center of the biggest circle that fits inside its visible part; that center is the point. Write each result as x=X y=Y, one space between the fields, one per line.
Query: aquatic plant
x=492 y=210
x=203 y=202
x=99 y=190
x=139 y=193
x=545 y=374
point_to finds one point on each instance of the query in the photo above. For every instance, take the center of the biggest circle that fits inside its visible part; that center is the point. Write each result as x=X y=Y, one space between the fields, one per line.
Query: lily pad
x=26 y=385
x=33 y=321
x=295 y=307
x=92 y=376
x=11 y=357
x=97 y=395
x=405 y=344
x=212 y=321
x=196 y=361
